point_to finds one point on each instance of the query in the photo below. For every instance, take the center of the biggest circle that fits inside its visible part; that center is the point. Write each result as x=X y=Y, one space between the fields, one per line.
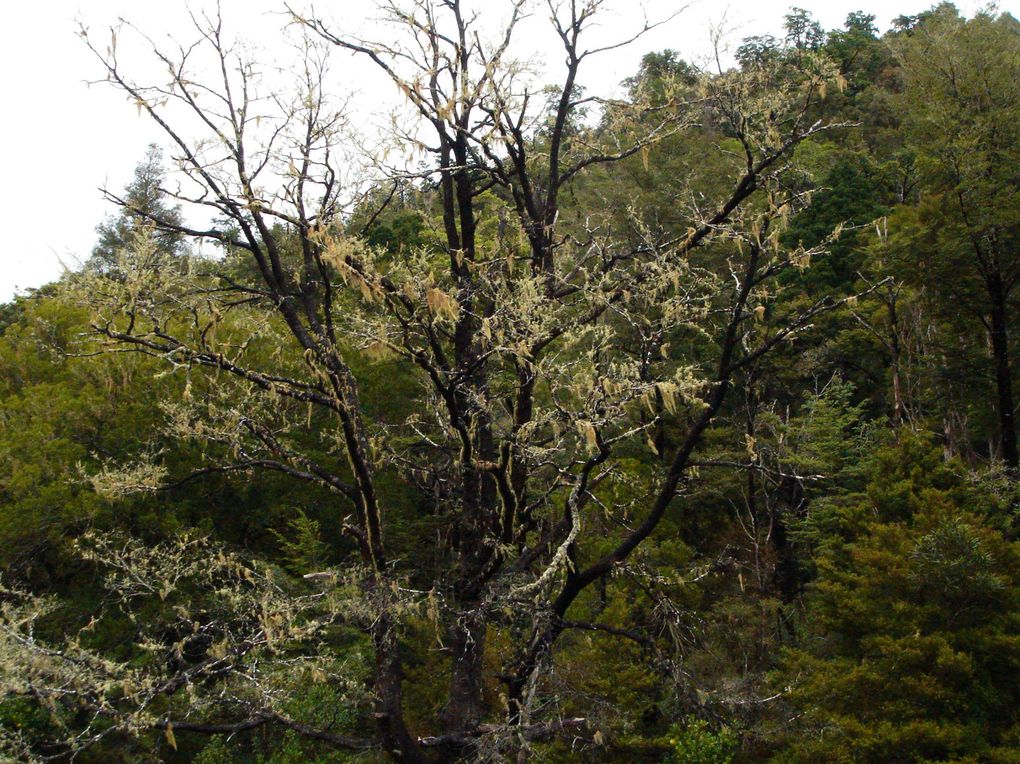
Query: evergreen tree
x=143 y=201
x=963 y=118
x=911 y=646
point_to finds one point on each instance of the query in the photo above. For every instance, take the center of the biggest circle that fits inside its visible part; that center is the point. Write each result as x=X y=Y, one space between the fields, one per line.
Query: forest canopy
x=673 y=425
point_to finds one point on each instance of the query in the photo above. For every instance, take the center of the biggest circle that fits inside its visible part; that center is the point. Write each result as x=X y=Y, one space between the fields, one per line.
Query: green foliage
x=141 y=200
x=853 y=192
x=802 y=31
x=830 y=433
x=911 y=637
x=316 y=704
x=301 y=545
x=661 y=76
x=694 y=742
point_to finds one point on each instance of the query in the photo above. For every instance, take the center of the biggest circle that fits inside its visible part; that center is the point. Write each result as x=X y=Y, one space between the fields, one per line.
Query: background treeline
x=846 y=583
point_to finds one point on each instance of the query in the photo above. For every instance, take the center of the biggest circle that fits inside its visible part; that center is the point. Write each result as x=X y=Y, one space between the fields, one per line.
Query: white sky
x=63 y=140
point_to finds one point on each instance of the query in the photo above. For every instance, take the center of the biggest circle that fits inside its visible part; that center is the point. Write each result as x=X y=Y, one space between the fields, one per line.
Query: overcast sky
x=63 y=139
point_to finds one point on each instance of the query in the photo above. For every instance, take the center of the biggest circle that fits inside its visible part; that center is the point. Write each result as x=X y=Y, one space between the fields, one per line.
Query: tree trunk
x=389 y=714
x=1003 y=378
x=789 y=578
x=895 y=356
x=463 y=711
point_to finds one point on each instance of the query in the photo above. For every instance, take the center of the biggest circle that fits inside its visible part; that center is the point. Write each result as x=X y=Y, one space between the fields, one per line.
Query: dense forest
x=675 y=426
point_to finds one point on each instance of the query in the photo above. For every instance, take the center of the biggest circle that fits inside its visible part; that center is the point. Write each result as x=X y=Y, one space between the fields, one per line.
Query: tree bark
x=389 y=714
x=463 y=711
x=895 y=356
x=1003 y=376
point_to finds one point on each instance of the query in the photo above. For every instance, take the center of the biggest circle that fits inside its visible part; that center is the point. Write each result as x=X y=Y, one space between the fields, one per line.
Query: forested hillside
x=672 y=426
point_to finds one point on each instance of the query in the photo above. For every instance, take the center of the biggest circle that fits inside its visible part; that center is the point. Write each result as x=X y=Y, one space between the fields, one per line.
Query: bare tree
x=548 y=343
